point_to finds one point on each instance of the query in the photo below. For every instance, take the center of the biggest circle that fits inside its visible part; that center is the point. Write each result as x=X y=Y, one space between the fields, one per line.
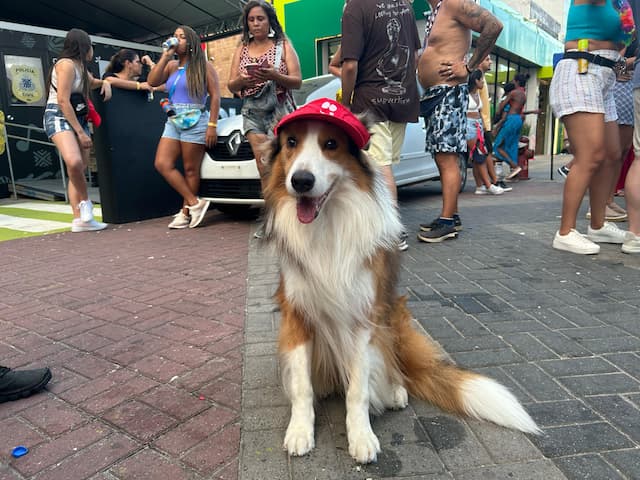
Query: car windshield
x=310 y=85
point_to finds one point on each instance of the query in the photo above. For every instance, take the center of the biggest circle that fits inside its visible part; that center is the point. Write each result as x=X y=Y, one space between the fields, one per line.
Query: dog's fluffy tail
x=453 y=389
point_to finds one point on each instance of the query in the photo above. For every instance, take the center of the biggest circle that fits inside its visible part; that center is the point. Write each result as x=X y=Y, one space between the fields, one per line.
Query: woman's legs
x=75 y=159
x=632 y=195
x=166 y=156
x=605 y=176
x=256 y=140
x=586 y=133
x=192 y=155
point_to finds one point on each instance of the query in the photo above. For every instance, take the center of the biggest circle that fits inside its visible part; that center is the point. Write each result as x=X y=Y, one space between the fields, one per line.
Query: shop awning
x=523 y=37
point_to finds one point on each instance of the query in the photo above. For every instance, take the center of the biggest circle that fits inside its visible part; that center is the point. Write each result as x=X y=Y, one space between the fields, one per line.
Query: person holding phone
x=254 y=67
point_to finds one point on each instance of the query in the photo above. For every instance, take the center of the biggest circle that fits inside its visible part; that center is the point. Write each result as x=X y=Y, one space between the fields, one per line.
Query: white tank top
x=473 y=106
x=75 y=87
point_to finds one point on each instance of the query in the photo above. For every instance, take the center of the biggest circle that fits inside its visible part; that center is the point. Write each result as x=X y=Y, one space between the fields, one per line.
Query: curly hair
x=274 y=23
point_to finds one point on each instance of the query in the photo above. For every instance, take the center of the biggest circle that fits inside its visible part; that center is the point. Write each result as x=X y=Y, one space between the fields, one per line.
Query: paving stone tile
x=629 y=362
x=606 y=383
x=140 y=420
x=528 y=346
x=536 y=470
x=627 y=461
x=456 y=445
x=587 y=467
x=174 y=402
x=504 y=445
x=148 y=464
x=562 y=345
x=51 y=452
x=619 y=412
x=223 y=392
x=568 y=412
x=576 y=439
x=577 y=366
x=53 y=417
x=91 y=460
x=486 y=358
x=536 y=382
x=191 y=432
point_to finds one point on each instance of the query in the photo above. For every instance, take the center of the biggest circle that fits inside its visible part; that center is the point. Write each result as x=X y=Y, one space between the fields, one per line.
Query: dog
x=333 y=223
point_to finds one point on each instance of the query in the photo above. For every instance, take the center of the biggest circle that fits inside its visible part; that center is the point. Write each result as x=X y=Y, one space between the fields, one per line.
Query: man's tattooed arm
x=480 y=20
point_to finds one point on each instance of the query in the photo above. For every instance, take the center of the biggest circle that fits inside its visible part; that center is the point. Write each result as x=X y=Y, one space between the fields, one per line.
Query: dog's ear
x=366 y=118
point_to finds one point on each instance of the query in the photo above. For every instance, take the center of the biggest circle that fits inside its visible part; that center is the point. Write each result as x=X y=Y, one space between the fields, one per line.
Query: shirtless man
x=443 y=72
x=505 y=146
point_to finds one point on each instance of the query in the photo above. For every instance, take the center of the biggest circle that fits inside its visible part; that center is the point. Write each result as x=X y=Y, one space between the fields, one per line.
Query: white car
x=229 y=176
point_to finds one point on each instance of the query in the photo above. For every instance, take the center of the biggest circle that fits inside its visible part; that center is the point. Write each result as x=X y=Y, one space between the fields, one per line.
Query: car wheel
x=462 y=165
x=238 y=211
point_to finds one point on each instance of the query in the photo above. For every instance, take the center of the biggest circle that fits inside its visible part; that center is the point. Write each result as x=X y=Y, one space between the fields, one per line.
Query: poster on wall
x=26 y=79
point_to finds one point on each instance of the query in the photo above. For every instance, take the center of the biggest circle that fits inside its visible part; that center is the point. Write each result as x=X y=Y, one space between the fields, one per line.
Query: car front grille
x=240 y=189
x=221 y=151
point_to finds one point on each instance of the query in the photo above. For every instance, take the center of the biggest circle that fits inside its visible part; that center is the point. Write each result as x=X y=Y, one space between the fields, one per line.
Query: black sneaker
x=438 y=233
x=16 y=384
x=563 y=171
x=457 y=223
x=502 y=184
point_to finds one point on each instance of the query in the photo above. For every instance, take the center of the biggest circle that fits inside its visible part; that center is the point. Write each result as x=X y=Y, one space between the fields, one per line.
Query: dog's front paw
x=400 y=398
x=298 y=440
x=364 y=446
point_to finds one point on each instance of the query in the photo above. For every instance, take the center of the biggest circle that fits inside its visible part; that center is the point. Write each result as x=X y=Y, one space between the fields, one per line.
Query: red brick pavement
x=142 y=328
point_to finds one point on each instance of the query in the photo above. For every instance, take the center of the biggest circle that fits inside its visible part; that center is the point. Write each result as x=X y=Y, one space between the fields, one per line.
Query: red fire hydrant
x=524 y=154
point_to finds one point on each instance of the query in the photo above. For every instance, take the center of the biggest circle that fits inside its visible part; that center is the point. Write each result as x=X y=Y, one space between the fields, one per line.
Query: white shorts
x=590 y=92
x=386 y=142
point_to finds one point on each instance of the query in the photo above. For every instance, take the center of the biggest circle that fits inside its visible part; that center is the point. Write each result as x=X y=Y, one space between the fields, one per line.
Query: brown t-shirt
x=382 y=36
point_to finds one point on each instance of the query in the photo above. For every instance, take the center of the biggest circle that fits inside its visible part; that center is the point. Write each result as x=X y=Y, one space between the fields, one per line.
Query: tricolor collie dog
x=333 y=223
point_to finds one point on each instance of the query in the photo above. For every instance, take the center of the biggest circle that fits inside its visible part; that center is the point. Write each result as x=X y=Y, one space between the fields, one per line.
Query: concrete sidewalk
x=560 y=330
x=146 y=330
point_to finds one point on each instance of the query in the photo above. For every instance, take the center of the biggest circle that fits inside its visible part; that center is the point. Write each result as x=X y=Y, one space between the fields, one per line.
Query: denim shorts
x=54 y=121
x=196 y=134
x=472 y=128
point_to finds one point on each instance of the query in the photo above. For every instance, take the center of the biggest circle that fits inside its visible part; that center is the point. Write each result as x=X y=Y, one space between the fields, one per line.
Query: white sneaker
x=575 y=242
x=481 y=190
x=495 y=190
x=180 y=220
x=609 y=233
x=197 y=212
x=91 y=226
x=631 y=243
x=86 y=210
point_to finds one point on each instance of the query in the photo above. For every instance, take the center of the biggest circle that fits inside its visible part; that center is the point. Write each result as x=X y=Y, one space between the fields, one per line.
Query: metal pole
x=13 y=180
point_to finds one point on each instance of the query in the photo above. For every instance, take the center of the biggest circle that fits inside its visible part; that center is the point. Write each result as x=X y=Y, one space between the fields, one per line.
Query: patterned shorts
x=623 y=95
x=591 y=92
x=446 y=128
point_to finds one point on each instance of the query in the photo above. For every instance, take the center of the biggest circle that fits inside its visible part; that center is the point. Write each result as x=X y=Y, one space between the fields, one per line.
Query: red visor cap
x=327 y=110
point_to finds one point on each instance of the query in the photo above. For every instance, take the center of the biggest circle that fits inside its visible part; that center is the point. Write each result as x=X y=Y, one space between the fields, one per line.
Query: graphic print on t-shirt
x=392 y=66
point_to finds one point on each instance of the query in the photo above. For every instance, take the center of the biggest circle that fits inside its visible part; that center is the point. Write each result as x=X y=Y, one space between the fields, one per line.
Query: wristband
x=137 y=85
x=212 y=124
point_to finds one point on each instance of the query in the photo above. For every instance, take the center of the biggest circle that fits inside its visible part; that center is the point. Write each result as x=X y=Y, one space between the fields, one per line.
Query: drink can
x=170 y=43
x=583 y=63
x=150 y=96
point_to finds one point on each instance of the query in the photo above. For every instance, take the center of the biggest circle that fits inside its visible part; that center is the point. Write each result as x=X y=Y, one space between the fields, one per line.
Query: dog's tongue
x=306 y=208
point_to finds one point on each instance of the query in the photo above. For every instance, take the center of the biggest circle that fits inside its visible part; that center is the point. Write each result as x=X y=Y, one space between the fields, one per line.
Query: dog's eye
x=291 y=142
x=331 y=144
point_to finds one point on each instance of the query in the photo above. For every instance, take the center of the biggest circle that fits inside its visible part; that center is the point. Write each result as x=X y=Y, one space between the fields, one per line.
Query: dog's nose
x=303 y=181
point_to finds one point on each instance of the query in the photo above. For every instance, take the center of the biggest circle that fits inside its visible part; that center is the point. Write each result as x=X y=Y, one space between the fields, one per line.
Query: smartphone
x=252 y=68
